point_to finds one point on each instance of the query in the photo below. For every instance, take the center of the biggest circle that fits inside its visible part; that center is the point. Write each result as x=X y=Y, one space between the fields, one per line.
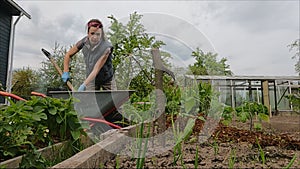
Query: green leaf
x=186 y=132
x=73 y=124
x=36 y=117
x=244 y=116
x=52 y=111
x=201 y=118
x=72 y=113
x=8 y=153
x=62 y=109
x=263 y=117
x=189 y=104
x=85 y=125
x=75 y=134
x=40 y=116
x=59 y=119
x=8 y=127
x=38 y=109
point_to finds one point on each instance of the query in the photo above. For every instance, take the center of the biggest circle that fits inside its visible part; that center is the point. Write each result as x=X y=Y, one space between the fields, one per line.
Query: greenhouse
x=269 y=90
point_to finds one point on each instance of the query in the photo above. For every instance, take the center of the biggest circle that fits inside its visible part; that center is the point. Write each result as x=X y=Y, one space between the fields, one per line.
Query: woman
x=97 y=53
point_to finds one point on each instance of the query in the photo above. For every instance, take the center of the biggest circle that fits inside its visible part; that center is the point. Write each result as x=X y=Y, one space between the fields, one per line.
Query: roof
x=13 y=8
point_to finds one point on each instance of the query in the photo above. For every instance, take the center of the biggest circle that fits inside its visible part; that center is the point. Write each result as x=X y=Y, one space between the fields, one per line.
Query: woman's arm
x=68 y=56
x=97 y=67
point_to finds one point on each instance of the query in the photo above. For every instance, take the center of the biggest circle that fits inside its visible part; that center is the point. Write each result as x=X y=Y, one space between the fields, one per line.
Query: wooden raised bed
x=93 y=156
x=49 y=153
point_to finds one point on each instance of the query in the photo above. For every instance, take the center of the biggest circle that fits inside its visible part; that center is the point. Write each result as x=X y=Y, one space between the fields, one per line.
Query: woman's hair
x=95 y=23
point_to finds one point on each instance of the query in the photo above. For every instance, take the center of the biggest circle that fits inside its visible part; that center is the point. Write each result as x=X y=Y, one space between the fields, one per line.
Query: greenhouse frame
x=268 y=90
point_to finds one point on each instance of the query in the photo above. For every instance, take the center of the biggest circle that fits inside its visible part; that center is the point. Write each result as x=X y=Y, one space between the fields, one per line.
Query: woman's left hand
x=82 y=88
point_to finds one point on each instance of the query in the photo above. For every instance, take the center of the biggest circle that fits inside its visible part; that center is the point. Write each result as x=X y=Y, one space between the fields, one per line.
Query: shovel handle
x=56 y=67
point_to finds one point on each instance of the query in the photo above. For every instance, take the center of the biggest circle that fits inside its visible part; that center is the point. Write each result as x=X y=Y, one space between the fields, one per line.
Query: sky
x=252 y=35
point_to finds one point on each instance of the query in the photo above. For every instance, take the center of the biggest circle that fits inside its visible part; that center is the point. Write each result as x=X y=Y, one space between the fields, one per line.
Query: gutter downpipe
x=10 y=60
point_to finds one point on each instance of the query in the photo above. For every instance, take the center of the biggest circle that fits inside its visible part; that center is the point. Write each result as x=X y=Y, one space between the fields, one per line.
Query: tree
x=134 y=64
x=296 y=46
x=50 y=78
x=207 y=64
x=24 y=81
x=132 y=57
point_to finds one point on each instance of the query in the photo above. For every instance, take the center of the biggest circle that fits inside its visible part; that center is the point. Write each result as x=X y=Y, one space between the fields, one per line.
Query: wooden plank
x=93 y=156
x=265 y=90
x=160 y=99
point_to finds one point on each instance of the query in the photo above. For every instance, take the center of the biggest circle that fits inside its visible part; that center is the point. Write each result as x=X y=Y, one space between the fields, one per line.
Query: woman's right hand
x=65 y=76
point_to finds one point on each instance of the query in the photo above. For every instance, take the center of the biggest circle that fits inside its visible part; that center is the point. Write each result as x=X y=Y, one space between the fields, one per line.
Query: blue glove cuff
x=65 y=76
x=82 y=88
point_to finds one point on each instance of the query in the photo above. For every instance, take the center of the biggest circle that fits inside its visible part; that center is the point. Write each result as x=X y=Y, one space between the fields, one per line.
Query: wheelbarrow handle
x=101 y=121
x=56 y=67
x=38 y=94
x=11 y=95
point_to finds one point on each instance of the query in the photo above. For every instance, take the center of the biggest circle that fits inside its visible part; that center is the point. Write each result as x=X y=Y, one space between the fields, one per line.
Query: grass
x=291 y=162
x=179 y=138
x=117 y=162
x=142 y=150
x=196 y=157
x=232 y=159
x=215 y=144
x=261 y=153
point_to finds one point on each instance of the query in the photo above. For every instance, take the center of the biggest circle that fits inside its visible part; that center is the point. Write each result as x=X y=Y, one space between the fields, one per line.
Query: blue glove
x=82 y=88
x=65 y=76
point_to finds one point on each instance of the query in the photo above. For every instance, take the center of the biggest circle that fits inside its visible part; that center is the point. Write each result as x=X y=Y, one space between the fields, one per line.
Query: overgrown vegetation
x=39 y=122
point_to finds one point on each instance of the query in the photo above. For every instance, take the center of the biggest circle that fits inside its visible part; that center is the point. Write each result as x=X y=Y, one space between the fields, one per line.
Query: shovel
x=56 y=67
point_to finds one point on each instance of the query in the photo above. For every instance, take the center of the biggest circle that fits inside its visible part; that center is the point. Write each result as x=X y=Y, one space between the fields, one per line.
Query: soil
x=234 y=145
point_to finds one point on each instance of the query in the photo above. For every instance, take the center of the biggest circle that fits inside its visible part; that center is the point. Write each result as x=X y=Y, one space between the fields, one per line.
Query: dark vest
x=92 y=55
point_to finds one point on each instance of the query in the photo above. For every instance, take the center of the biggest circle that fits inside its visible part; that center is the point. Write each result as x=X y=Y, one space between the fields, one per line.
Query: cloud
x=259 y=16
x=253 y=35
x=44 y=31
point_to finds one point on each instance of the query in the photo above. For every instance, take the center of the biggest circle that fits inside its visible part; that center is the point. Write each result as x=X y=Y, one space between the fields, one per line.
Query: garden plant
x=27 y=126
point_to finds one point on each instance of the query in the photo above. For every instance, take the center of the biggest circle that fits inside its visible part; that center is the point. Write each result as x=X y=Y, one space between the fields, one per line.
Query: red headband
x=95 y=24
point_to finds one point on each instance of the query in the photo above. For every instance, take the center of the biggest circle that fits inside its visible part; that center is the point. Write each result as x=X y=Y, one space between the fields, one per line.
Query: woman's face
x=94 y=35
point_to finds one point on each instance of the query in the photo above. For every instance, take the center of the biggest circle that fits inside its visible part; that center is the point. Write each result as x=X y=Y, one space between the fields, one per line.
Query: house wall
x=5 y=26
